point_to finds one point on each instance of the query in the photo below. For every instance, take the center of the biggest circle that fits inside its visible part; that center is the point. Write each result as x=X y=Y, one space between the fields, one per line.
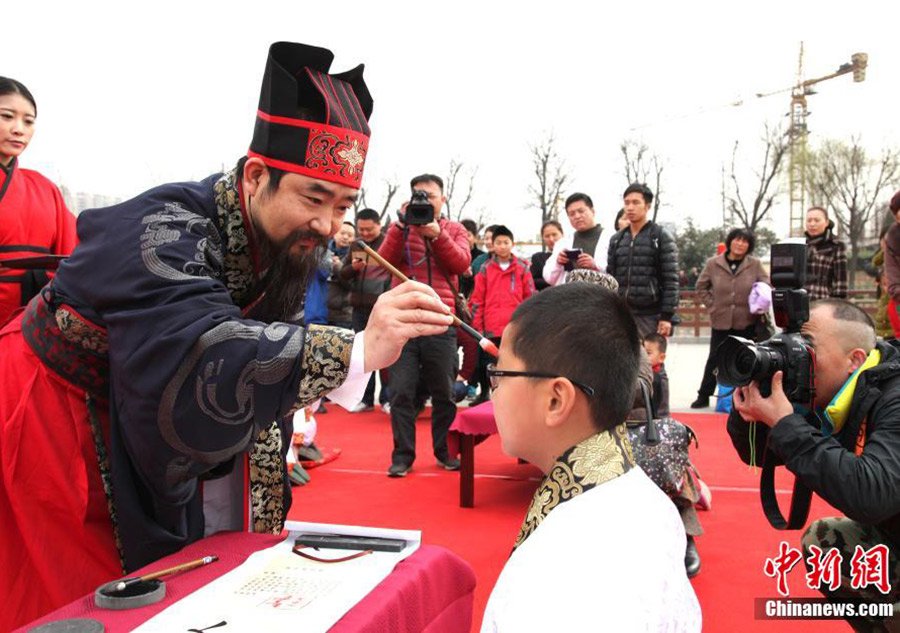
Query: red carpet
x=354 y=490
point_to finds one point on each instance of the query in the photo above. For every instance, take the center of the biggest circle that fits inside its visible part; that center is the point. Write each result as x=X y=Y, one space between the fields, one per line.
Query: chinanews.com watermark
x=818 y=609
x=868 y=569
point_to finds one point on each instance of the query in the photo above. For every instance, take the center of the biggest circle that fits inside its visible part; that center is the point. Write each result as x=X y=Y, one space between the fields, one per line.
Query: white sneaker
x=386 y=408
x=361 y=407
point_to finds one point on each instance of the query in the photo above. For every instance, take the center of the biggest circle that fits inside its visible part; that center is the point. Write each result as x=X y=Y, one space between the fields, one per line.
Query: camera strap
x=801 y=498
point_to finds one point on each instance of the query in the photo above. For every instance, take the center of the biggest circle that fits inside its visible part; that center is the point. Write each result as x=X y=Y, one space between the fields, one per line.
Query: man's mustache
x=319 y=240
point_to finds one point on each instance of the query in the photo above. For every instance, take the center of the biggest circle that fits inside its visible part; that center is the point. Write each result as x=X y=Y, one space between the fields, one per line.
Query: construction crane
x=798 y=164
x=797 y=132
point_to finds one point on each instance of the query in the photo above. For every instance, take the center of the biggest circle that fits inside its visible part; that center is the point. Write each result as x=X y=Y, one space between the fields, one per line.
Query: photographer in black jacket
x=847 y=450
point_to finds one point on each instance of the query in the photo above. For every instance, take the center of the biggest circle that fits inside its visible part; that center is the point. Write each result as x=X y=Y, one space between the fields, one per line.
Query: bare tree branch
x=766 y=189
x=392 y=189
x=639 y=167
x=451 y=185
x=846 y=181
x=551 y=176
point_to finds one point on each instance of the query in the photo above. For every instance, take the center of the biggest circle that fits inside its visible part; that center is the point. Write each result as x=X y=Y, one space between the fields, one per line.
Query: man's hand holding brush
x=410 y=310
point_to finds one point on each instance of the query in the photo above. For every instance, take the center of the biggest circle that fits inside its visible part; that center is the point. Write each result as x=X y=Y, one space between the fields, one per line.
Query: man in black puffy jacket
x=644 y=260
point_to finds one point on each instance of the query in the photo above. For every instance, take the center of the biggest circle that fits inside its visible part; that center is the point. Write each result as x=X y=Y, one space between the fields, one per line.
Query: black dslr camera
x=419 y=211
x=742 y=361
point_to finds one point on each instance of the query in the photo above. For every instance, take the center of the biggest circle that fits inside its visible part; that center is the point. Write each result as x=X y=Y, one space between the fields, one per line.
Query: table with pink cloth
x=472 y=426
x=431 y=591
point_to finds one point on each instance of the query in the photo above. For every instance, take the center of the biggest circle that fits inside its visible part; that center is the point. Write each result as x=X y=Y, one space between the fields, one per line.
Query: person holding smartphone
x=585 y=248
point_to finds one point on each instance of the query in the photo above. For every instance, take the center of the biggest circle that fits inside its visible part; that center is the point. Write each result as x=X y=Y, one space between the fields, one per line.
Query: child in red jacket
x=501 y=285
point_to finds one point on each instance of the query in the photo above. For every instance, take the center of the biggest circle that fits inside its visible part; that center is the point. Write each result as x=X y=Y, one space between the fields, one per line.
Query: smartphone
x=346 y=541
x=573 y=255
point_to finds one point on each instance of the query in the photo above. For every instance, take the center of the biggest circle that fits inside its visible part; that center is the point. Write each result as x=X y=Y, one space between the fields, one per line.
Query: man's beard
x=287 y=277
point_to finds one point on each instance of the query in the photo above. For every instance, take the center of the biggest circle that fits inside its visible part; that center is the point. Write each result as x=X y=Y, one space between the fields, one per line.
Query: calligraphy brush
x=206 y=560
x=486 y=344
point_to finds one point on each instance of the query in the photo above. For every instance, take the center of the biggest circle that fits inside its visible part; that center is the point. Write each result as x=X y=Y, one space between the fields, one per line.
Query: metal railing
x=695 y=316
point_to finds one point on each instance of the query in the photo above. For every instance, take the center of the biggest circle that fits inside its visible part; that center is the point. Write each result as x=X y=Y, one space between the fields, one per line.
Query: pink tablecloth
x=475 y=420
x=430 y=591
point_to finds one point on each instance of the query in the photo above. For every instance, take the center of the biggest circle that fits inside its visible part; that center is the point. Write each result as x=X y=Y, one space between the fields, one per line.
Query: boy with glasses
x=563 y=385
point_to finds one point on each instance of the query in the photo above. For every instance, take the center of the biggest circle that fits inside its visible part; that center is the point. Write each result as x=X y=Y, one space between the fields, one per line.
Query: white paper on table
x=277 y=590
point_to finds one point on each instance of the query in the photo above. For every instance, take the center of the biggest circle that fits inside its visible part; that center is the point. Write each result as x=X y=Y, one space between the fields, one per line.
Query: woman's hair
x=744 y=234
x=12 y=87
x=551 y=223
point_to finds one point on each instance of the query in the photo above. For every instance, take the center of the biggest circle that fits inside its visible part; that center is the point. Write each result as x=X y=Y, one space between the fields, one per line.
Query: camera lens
x=739 y=361
x=745 y=361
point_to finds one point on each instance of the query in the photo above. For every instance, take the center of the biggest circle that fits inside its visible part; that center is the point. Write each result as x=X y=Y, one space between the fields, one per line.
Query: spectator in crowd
x=467 y=279
x=683 y=279
x=479 y=377
x=644 y=260
x=589 y=238
x=315 y=303
x=339 y=309
x=693 y=275
x=561 y=410
x=465 y=380
x=367 y=281
x=621 y=220
x=656 y=345
x=501 y=286
x=847 y=451
x=488 y=243
x=551 y=232
x=882 y=321
x=892 y=266
x=724 y=288
x=436 y=254
x=35 y=220
x=826 y=259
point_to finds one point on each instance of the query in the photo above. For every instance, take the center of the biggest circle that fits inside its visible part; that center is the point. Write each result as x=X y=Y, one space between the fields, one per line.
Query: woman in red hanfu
x=34 y=219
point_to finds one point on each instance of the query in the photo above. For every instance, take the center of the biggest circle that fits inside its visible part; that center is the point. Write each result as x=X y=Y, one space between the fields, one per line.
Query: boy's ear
x=560 y=402
x=662 y=356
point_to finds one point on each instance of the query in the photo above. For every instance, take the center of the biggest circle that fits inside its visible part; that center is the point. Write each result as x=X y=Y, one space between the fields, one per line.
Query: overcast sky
x=134 y=94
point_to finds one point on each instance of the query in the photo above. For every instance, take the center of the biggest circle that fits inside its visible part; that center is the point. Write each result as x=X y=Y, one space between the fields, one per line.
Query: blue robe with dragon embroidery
x=192 y=382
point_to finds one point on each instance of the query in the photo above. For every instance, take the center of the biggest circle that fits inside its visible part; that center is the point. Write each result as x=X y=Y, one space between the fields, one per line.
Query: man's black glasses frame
x=494 y=373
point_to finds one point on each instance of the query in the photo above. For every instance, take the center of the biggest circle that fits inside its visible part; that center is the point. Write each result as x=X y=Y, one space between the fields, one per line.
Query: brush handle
x=206 y=560
x=485 y=343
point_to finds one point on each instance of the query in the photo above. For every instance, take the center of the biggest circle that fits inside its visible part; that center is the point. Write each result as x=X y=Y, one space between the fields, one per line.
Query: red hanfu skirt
x=56 y=538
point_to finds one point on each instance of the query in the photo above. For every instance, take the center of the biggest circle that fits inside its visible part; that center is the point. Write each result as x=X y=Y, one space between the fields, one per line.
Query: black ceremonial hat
x=311 y=122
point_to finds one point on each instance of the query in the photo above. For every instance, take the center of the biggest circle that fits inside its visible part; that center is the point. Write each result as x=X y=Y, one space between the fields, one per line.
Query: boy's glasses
x=495 y=374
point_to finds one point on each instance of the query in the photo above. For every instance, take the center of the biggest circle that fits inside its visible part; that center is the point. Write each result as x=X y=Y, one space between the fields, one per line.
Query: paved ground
x=684 y=364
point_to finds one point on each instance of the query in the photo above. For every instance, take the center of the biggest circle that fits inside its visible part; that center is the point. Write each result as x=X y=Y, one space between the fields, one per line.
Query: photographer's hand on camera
x=753 y=407
x=429 y=231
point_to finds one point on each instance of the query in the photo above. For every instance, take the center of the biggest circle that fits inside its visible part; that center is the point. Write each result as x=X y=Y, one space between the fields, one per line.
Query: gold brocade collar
x=241 y=276
x=593 y=461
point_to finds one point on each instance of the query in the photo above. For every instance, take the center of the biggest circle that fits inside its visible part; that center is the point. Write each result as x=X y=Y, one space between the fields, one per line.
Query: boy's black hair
x=501 y=230
x=586 y=333
x=641 y=188
x=659 y=339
